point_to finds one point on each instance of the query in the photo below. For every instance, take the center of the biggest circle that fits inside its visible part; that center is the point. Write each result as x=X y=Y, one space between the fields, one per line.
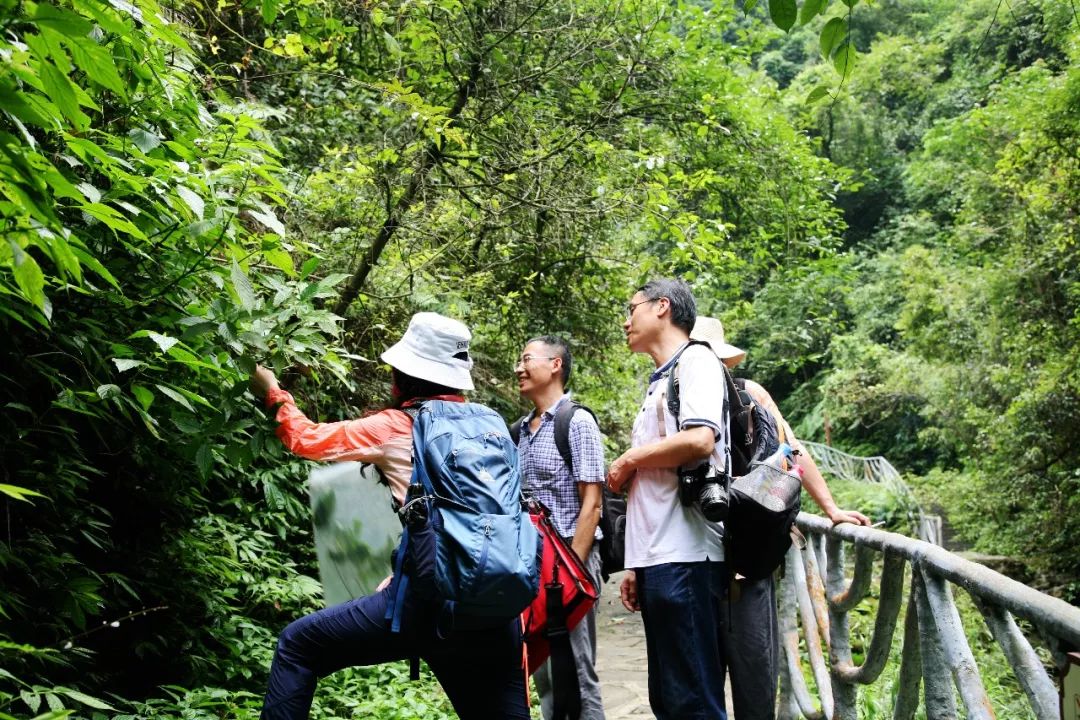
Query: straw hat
x=711 y=331
x=434 y=348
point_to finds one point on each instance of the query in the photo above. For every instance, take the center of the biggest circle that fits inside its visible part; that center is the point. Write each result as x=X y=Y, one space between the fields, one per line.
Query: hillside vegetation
x=879 y=200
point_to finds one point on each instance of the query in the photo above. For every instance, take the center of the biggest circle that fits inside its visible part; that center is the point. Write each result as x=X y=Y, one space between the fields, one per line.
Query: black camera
x=708 y=488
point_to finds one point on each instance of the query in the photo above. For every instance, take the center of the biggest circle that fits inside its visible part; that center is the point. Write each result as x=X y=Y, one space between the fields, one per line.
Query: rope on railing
x=935 y=652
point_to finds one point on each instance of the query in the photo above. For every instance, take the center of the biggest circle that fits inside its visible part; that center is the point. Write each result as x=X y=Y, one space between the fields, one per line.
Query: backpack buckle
x=414 y=512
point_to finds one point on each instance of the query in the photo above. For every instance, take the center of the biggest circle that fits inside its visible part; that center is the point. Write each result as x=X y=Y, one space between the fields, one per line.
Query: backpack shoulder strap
x=563 y=416
x=515 y=429
x=673 y=402
x=739 y=405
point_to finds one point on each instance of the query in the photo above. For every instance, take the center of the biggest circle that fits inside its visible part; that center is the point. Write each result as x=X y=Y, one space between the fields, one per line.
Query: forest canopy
x=880 y=201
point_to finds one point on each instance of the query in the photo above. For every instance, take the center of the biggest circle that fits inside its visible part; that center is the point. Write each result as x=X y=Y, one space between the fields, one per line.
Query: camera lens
x=714 y=502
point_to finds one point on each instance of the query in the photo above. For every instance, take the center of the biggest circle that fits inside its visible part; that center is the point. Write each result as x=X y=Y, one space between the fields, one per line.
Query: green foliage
x=882 y=211
x=955 y=350
x=191 y=189
x=143 y=270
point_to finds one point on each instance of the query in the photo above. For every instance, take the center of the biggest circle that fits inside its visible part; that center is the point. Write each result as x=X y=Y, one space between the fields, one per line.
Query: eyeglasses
x=526 y=359
x=630 y=307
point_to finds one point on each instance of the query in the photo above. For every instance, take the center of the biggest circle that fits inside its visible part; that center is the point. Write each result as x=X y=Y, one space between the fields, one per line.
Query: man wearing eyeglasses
x=573 y=494
x=674 y=557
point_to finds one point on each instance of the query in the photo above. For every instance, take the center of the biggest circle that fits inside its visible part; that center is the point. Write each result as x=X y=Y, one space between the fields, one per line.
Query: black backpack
x=750 y=442
x=613 y=505
x=756 y=538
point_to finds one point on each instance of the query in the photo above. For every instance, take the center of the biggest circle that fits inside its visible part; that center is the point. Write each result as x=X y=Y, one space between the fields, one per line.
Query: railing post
x=845 y=694
x=1025 y=663
x=938 y=698
x=910 y=678
x=936 y=654
x=794 y=695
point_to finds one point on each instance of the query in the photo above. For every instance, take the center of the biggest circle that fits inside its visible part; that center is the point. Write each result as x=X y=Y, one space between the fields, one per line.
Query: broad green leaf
x=61 y=91
x=143 y=395
x=107 y=20
x=54 y=714
x=844 y=59
x=280 y=259
x=107 y=391
x=192 y=199
x=28 y=275
x=169 y=392
x=94 y=264
x=810 y=10
x=310 y=265
x=195 y=397
x=202 y=227
x=783 y=13
x=191 y=360
x=19 y=493
x=816 y=94
x=60 y=184
x=832 y=35
x=91 y=193
x=32 y=700
x=96 y=62
x=112 y=218
x=270 y=11
x=850 y=3
x=127 y=7
x=47 y=45
x=65 y=259
x=242 y=284
x=30 y=140
x=85 y=699
x=41 y=113
x=60 y=20
x=125 y=364
x=391 y=44
x=144 y=139
x=162 y=341
x=269 y=220
x=749 y=5
x=204 y=459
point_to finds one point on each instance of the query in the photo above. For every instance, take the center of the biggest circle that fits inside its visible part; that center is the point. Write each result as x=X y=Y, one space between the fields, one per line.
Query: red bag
x=560 y=565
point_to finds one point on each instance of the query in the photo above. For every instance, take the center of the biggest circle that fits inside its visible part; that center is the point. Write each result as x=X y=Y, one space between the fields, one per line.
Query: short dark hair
x=683 y=305
x=410 y=388
x=562 y=350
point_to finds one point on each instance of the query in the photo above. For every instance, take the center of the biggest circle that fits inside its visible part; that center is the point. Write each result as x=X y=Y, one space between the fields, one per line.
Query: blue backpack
x=467 y=547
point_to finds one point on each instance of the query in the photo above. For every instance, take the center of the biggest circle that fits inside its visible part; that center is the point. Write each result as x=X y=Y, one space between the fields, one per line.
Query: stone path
x=620 y=661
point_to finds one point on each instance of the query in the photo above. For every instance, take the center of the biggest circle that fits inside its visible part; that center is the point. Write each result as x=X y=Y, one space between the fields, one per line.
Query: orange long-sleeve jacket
x=383 y=438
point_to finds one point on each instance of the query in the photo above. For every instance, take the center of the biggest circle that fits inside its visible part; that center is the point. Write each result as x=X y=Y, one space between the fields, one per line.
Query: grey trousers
x=583 y=645
x=751 y=644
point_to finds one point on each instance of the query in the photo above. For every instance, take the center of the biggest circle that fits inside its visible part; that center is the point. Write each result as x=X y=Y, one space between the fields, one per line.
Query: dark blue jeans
x=682 y=609
x=480 y=670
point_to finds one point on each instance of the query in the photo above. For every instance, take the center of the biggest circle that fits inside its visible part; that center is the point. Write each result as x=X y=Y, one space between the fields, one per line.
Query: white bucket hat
x=711 y=331
x=434 y=348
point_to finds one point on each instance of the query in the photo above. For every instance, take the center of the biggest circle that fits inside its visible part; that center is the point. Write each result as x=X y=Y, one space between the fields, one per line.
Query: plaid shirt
x=545 y=475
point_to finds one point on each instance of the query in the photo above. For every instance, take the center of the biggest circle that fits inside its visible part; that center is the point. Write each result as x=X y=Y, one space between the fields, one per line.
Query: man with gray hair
x=674 y=557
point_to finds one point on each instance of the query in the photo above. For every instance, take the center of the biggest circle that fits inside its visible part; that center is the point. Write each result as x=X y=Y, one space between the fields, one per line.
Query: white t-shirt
x=659 y=529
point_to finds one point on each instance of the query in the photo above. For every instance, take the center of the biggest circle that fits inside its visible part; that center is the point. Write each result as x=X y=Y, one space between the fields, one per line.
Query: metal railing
x=853 y=468
x=816 y=594
x=877 y=471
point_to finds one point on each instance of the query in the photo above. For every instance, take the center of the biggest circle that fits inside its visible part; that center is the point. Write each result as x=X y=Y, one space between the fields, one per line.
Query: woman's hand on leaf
x=262 y=381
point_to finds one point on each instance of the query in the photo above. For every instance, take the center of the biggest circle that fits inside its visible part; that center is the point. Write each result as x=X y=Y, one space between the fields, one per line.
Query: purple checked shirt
x=544 y=474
